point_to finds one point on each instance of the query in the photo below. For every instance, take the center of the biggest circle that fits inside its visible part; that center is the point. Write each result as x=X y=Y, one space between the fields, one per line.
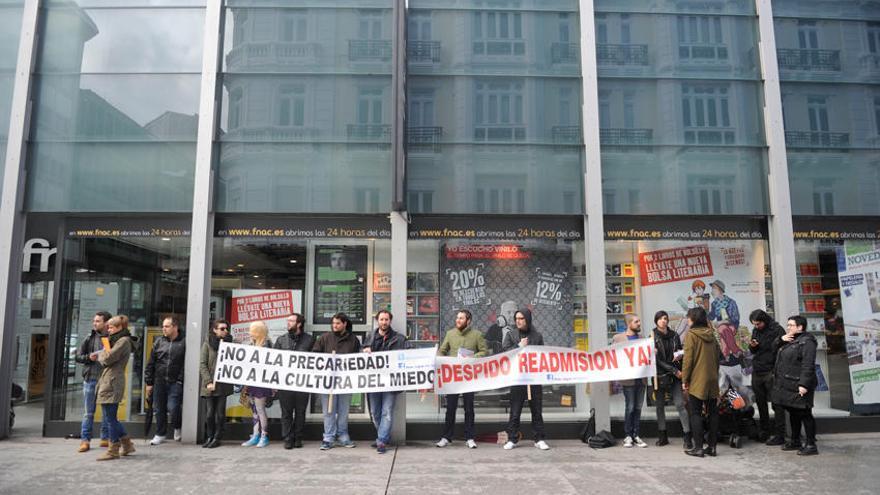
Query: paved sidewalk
x=847 y=464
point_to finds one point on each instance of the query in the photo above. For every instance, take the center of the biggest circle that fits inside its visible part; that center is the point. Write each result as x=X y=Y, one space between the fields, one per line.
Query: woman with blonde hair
x=111 y=385
x=258 y=396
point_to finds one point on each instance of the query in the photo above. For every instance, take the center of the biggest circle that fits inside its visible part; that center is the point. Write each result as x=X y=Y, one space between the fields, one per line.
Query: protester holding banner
x=699 y=378
x=525 y=335
x=384 y=338
x=794 y=384
x=259 y=396
x=111 y=384
x=669 y=353
x=294 y=404
x=87 y=355
x=633 y=390
x=764 y=345
x=461 y=341
x=214 y=394
x=340 y=340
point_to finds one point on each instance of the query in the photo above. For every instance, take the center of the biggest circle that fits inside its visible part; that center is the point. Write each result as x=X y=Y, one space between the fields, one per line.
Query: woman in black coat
x=795 y=383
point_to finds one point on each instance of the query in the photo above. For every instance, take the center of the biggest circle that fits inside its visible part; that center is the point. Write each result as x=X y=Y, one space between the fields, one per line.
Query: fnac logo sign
x=37 y=247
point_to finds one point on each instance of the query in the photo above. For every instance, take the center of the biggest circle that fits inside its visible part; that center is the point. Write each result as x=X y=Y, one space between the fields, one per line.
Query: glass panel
x=126 y=3
x=834 y=182
x=144 y=278
x=718 y=7
x=827 y=50
x=509 y=285
x=141 y=107
x=683 y=180
x=852 y=9
x=124 y=40
x=307 y=177
x=494 y=122
x=308 y=38
x=722 y=47
x=110 y=177
x=10 y=29
x=707 y=115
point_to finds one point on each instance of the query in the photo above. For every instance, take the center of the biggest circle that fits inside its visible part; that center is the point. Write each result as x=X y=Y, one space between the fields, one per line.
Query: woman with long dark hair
x=699 y=378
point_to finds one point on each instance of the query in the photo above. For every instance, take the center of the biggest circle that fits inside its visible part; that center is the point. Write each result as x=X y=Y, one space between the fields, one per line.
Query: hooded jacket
x=344 y=343
x=764 y=354
x=166 y=360
x=795 y=367
x=699 y=367
x=666 y=345
x=511 y=340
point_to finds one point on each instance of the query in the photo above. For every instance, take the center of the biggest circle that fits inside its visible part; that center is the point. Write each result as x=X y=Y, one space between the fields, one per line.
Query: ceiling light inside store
x=256 y=276
x=82 y=270
x=166 y=239
x=240 y=265
x=293 y=261
x=230 y=270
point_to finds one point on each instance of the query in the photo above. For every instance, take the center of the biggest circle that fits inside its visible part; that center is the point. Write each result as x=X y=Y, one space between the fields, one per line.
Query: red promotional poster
x=270 y=306
x=675 y=264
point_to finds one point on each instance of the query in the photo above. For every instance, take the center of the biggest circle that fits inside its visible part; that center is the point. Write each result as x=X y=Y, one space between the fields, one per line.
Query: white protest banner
x=543 y=365
x=859 y=276
x=411 y=369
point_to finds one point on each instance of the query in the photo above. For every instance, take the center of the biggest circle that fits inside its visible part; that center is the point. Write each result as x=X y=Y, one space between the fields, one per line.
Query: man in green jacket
x=461 y=341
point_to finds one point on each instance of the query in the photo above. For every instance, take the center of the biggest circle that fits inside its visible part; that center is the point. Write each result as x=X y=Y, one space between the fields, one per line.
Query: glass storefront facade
x=472 y=121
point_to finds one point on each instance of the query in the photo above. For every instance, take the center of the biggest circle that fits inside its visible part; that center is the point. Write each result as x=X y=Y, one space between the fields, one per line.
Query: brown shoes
x=111 y=453
x=105 y=443
x=127 y=445
x=84 y=446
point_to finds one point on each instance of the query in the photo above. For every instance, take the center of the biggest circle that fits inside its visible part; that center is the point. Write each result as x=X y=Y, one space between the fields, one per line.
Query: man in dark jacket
x=87 y=355
x=339 y=340
x=524 y=335
x=764 y=346
x=669 y=354
x=164 y=378
x=294 y=404
x=794 y=383
x=384 y=338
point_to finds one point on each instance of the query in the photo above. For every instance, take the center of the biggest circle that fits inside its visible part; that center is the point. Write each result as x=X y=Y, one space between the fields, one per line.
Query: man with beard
x=633 y=390
x=525 y=334
x=294 y=404
x=382 y=403
x=340 y=340
x=764 y=345
x=461 y=341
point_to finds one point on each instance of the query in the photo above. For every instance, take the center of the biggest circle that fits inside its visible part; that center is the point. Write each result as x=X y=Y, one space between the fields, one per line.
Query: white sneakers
x=540 y=444
x=639 y=443
x=158 y=439
x=442 y=443
x=177 y=435
x=509 y=446
x=471 y=444
x=628 y=442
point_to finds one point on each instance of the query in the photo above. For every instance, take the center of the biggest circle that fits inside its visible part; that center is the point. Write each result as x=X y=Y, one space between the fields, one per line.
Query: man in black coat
x=524 y=335
x=294 y=404
x=794 y=383
x=764 y=345
x=164 y=378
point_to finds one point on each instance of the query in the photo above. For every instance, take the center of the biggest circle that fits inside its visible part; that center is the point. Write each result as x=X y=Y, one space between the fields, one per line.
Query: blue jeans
x=633 y=396
x=90 y=392
x=336 y=423
x=117 y=431
x=382 y=410
x=166 y=401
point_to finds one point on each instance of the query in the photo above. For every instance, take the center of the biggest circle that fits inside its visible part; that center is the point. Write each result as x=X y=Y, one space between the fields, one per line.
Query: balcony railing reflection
x=423 y=52
x=567 y=134
x=565 y=53
x=271 y=134
x=809 y=60
x=816 y=139
x=369 y=131
x=625 y=137
x=423 y=139
x=359 y=50
x=622 y=54
x=279 y=53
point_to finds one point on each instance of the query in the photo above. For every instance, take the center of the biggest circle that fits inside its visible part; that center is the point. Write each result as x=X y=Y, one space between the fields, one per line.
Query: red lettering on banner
x=611 y=359
x=630 y=353
x=643 y=357
x=583 y=364
x=505 y=365
x=524 y=363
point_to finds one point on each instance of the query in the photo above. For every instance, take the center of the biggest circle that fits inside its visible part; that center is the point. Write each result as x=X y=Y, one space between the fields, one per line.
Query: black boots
x=662 y=439
x=792 y=445
x=809 y=449
x=775 y=440
x=208 y=440
x=688 y=441
x=695 y=452
x=735 y=441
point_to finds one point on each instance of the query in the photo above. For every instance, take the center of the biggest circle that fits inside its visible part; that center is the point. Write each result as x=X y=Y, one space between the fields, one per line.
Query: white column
x=782 y=254
x=12 y=202
x=199 y=292
x=399 y=233
x=594 y=230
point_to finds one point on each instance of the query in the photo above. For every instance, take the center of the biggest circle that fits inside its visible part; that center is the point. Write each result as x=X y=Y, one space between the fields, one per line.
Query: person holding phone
x=794 y=383
x=764 y=346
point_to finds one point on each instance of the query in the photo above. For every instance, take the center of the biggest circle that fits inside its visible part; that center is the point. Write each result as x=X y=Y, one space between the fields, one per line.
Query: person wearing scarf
x=111 y=385
x=214 y=394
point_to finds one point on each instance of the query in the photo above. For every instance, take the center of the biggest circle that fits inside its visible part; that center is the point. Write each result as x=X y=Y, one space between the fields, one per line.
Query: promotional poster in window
x=859 y=275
